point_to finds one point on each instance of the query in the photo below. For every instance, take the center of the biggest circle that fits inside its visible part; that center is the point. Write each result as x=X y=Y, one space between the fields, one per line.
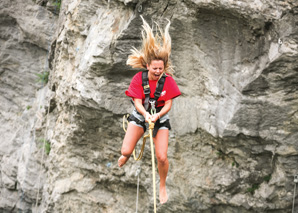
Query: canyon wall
x=233 y=144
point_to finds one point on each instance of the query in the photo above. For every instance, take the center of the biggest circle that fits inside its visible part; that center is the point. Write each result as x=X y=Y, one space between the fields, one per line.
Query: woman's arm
x=166 y=108
x=140 y=108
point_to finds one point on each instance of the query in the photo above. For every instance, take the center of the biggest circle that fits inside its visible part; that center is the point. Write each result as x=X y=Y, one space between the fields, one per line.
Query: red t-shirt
x=170 y=89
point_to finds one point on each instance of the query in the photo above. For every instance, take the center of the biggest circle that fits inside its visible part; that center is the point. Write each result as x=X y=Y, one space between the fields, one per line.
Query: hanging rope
x=46 y=123
x=294 y=198
x=125 y=122
x=294 y=195
x=21 y=197
x=151 y=127
x=138 y=174
x=33 y=139
x=42 y=155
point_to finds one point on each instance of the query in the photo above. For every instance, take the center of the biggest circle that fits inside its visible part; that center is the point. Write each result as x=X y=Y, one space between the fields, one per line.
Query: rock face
x=27 y=30
x=233 y=145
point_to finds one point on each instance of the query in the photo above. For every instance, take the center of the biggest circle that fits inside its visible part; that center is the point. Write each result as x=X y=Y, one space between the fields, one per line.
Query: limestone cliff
x=233 y=147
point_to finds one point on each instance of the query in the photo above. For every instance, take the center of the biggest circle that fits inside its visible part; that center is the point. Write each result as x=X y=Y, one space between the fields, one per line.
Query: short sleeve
x=172 y=89
x=135 y=89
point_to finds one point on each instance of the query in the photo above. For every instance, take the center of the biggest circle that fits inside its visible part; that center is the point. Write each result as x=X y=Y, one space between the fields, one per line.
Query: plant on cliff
x=220 y=154
x=234 y=163
x=43 y=77
x=46 y=144
x=57 y=4
x=253 y=188
x=267 y=178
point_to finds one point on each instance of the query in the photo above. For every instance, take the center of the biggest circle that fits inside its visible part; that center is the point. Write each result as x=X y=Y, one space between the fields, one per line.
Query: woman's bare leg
x=161 y=148
x=133 y=134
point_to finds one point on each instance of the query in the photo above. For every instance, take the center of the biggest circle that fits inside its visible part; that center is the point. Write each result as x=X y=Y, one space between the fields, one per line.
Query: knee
x=162 y=159
x=125 y=151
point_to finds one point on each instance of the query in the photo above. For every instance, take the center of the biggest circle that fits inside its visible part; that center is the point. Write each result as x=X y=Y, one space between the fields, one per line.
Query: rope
x=294 y=198
x=294 y=195
x=138 y=174
x=151 y=127
x=42 y=156
x=125 y=122
x=47 y=124
x=33 y=139
x=21 y=192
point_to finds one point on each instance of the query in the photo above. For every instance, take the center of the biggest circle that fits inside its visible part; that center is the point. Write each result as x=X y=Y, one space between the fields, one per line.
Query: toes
x=122 y=160
x=163 y=198
x=163 y=201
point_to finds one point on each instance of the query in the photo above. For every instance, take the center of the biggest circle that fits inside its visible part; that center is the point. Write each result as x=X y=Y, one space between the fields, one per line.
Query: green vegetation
x=234 y=163
x=267 y=178
x=220 y=154
x=253 y=188
x=28 y=107
x=43 y=77
x=46 y=144
x=57 y=3
x=47 y=147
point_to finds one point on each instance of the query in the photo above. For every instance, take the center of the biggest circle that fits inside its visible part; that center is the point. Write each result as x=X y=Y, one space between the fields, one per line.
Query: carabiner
x=153 y=109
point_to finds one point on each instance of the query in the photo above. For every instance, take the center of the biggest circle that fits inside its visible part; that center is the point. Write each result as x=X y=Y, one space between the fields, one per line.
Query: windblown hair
x=154 y=47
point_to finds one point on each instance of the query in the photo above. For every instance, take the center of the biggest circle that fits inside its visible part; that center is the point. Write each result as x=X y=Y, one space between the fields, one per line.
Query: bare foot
x=122 y=160
x=163 y=196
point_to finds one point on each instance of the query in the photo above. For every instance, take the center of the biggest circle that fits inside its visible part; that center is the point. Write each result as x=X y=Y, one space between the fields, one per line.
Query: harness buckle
x=146 y=89
x=157 y=93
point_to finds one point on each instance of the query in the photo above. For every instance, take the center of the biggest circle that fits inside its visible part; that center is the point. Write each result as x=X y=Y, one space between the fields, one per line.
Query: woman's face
x=156 y=68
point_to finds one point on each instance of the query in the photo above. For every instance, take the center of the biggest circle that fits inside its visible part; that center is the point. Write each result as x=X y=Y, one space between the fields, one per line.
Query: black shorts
x=139 y=120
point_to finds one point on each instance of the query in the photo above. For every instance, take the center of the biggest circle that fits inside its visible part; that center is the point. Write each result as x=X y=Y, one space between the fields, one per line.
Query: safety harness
x=152 y=101
x=157 y=93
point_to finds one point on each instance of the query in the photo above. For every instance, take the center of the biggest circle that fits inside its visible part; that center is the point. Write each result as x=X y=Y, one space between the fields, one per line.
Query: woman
x=154 y=56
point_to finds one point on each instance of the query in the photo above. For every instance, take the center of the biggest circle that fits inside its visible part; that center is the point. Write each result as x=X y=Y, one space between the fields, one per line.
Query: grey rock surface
x=27 y=30
x=233 y=147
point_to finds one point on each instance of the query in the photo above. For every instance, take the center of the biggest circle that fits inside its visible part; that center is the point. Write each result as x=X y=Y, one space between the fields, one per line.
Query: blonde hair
x=154 y=47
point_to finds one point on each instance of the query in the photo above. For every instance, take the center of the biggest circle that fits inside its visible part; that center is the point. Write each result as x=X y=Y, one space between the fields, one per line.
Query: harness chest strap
x=146 y=87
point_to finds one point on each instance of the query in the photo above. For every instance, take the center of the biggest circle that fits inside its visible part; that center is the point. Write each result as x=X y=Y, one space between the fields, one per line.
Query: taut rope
x=151 y=127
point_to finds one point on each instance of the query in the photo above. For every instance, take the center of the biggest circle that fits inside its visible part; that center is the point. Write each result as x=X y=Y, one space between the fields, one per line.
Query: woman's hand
x=140 y=108
x=155 y=117
x=148 y=117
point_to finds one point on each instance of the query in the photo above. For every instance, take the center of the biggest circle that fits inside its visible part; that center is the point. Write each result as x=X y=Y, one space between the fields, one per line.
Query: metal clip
x=153 y=109
x=296 y=179
x=138 y=171
x=152 y=103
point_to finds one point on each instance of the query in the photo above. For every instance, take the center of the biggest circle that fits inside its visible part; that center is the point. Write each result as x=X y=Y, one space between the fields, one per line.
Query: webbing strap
x=159 y=86
x=146 y=87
